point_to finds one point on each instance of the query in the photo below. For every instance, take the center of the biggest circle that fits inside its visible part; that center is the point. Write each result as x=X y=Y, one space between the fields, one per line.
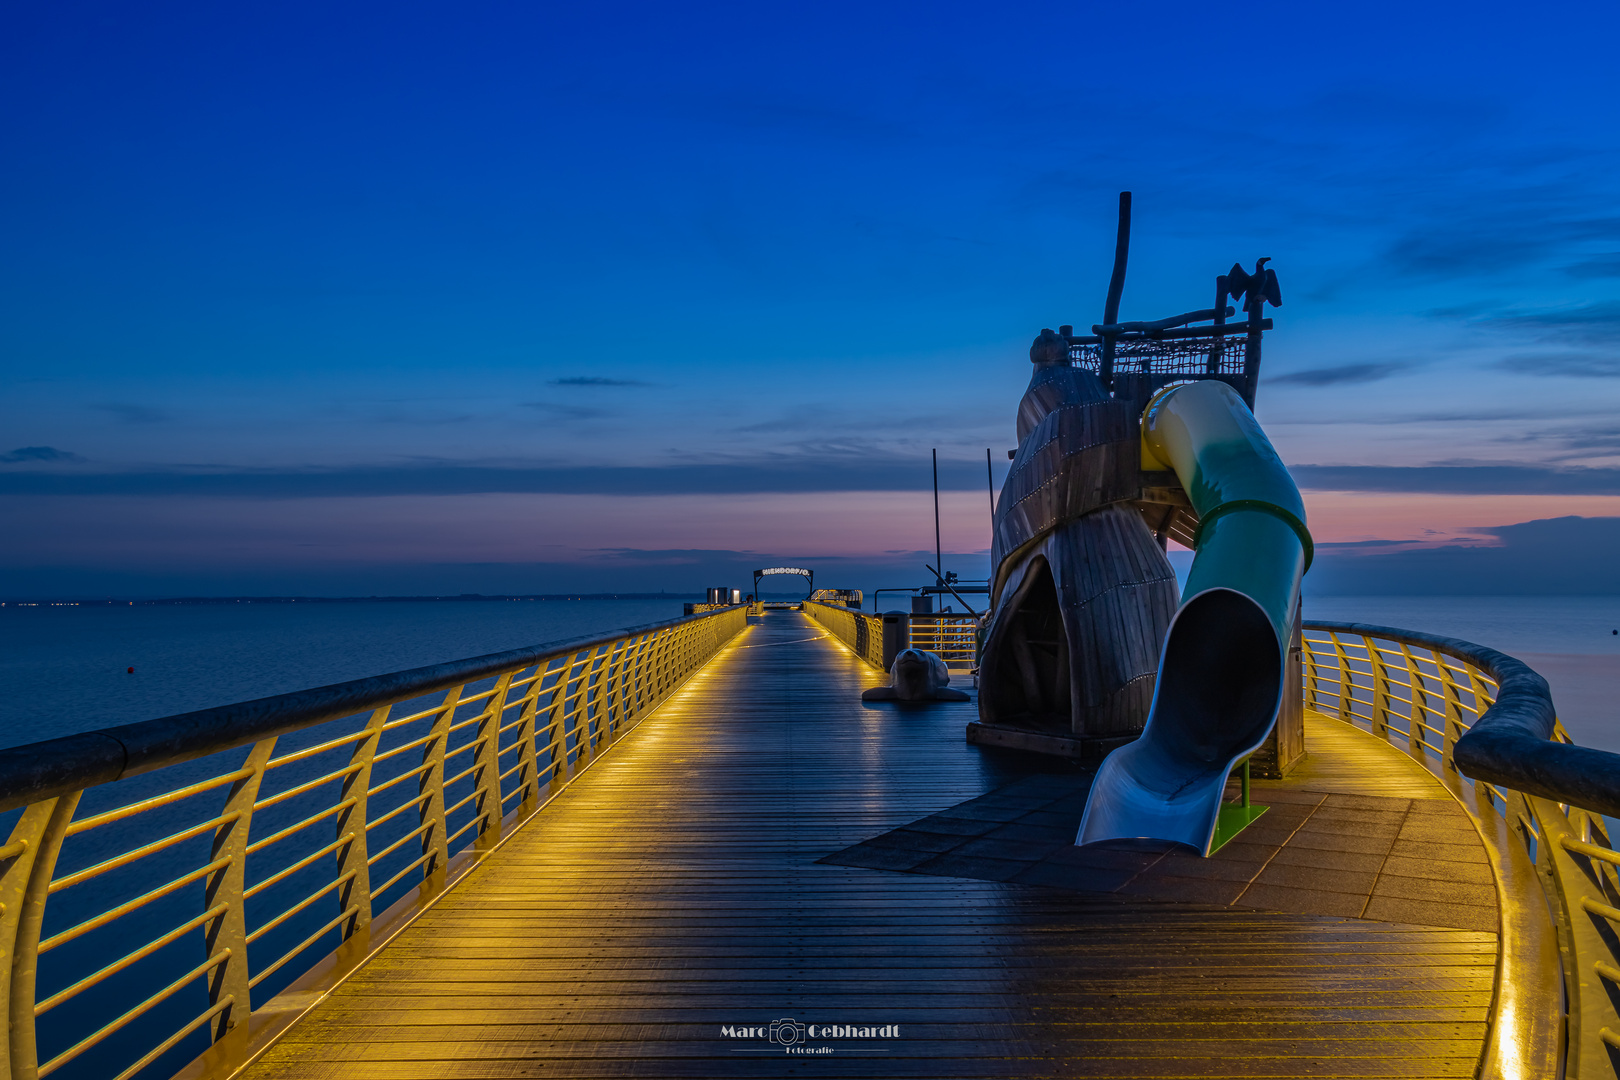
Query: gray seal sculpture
x=916 y=676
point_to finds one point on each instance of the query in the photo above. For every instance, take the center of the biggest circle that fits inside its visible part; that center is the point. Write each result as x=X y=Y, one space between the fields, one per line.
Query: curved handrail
x=53 y=767
x=1538 y=802
x=1512 y=744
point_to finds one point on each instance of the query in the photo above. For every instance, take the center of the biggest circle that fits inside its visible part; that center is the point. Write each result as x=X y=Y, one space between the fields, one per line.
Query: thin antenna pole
x=939 y=578
x=1122 y=253
x=1116 y=286
x=990 y=486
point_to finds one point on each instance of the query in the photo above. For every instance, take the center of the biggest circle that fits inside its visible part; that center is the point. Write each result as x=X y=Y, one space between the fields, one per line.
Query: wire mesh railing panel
x=954 y=637
x=1169 y=357
x=150 y=915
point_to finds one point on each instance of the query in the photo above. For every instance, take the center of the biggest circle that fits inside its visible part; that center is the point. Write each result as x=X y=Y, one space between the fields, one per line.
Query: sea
x=1569 y=640
x=66 y=669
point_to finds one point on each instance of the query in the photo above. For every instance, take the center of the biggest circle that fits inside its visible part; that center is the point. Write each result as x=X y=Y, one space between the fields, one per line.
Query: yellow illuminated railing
x=257 y=862
x=1427 y=694
x=860 y=630
x=955 y=637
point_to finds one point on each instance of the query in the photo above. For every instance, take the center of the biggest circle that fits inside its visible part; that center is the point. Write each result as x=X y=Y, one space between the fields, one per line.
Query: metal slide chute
x=1220 y=680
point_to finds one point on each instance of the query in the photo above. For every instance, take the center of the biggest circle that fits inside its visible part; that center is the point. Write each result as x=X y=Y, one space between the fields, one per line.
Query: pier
x=722 y=872
x=684 y=886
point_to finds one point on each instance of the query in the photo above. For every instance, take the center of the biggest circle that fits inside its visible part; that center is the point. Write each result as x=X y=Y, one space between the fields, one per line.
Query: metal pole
x=1116 y=286
x=990 y=486
x=939 y=578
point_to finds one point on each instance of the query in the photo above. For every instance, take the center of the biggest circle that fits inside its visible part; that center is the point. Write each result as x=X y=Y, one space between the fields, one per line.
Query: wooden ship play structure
x=755 y=832
x=1133 y=435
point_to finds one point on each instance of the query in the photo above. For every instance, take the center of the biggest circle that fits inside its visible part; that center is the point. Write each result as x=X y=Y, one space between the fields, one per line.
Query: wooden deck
x=676 y=889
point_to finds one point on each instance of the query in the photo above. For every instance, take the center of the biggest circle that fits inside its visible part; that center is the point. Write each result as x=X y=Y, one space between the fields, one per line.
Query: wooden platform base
x=1065 y=746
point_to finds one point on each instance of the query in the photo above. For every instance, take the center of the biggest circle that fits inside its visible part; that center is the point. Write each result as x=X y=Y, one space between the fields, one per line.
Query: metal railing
x=1484 y=723
x=954 y=637
x=862 y=631
x=188 y=896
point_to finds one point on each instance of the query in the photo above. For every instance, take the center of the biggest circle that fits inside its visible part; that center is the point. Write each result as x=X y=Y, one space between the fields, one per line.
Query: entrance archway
x=808 y=575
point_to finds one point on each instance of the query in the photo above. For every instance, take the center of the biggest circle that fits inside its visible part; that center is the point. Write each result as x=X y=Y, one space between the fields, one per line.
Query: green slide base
x=1233 y=819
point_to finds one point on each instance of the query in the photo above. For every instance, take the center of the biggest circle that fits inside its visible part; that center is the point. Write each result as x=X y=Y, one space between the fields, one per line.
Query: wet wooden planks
x=1346 y=760
x=674 y=890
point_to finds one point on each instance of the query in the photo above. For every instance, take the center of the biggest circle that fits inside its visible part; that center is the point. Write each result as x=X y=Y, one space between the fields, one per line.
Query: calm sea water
x=1570 y=640
x=1582 y=625
x=65 y=669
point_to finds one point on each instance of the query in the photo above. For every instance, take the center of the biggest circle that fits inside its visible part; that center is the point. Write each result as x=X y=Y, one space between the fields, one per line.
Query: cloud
x=1339 y=545
x=823 y=471
x=1589 y=324
x=674 y=556
x=1575 y=365
x=1345 y=373
x=1493 y=243
x=1458 y=479
x=1588 y=437
x=1457 y=416
x=134 y=414
x=1470 y=310
x=826 y=468
x=567 y=412
x=593 y=380
x=1548 y=557
x=1603 y=266
x=38 y=453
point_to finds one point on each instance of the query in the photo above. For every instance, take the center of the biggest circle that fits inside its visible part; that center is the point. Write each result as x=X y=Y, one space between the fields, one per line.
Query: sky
x=341 y=299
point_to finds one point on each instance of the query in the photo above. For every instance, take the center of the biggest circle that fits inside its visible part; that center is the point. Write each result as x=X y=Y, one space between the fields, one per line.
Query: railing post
x=25 y=881
x=486 y=764
x=352 y=857
x=1420 y=706
x=1307 y=658
x=645 y=674
x=612 y=694
x=528 y=775
x=556 y=726
x=657 y=660
x=1346 y=685
x=1454 y=712
x=1482 y=692
x=226 y=934
x=579 y=671
x=435 y=839
x=632 y=691
x=596 y=696
x=629 y=691
x=643 y=701
x=1380 y=688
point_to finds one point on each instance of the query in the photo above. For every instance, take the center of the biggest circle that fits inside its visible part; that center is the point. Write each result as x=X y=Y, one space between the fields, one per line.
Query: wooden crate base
x=1074 y=747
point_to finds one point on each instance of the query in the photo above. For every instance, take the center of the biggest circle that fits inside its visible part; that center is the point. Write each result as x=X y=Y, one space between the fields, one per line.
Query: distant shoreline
x=463 y=597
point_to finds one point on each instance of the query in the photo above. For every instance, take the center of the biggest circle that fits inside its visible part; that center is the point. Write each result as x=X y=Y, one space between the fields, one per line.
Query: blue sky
x=332 y=298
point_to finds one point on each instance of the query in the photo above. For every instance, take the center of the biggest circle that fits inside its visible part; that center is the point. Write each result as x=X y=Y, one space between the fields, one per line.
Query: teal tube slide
x=1220 y=678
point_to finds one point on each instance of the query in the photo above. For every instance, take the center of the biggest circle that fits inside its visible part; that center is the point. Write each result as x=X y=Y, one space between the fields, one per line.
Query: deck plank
x=675 y=888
